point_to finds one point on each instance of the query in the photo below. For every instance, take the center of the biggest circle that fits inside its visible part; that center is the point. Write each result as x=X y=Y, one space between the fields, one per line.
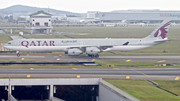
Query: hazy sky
x=82 y=6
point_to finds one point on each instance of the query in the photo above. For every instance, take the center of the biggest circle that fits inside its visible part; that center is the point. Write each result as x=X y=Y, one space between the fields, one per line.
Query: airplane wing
x=100 y=47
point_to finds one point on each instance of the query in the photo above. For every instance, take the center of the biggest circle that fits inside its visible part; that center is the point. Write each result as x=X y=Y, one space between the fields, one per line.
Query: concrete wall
x=12 y=98
x=108 y=92
x=73 y=81
x=41 y=21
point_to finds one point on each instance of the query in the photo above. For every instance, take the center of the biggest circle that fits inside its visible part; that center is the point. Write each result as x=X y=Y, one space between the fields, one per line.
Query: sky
x=82 y=6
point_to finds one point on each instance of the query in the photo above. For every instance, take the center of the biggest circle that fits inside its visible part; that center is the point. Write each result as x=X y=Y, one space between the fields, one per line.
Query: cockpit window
x=9 y=43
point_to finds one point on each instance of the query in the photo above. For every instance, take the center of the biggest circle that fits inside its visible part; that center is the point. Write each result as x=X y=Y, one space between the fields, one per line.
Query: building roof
x=39 y=12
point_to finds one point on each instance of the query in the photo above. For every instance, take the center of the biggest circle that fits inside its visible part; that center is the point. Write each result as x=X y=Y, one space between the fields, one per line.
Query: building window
x=46 y=24
x=37 y=24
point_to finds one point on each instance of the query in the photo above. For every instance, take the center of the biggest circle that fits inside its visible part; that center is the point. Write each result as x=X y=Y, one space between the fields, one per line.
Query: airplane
x=92 y=47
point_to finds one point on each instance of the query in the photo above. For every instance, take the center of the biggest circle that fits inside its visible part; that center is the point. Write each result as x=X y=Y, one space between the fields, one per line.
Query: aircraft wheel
x=92 y=56
x=18 y=55
x=97 y=55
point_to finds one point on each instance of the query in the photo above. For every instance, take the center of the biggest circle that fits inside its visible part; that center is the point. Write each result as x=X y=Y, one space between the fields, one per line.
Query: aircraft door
x=17 y=43
x=81 y=42
x=142 y=42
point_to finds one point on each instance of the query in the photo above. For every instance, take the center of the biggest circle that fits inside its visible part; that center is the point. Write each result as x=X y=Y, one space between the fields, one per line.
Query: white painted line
x=22 y=56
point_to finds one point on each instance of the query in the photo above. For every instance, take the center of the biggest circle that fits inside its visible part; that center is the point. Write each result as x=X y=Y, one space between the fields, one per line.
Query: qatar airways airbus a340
x=91 y=47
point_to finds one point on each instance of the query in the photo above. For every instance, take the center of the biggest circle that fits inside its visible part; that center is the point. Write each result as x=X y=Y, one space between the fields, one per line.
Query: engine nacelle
x=74 y=52
x=92 y=50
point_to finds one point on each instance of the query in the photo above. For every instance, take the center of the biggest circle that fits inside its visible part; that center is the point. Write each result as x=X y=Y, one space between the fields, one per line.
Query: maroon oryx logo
x=162 y=31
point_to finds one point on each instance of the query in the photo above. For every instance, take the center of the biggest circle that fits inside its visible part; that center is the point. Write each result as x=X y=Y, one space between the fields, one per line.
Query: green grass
x=145 y=91
x=4 y=38
x=173 y=86
x=121 y=64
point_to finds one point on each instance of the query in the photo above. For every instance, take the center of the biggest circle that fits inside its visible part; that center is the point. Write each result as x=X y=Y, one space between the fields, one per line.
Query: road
x=113 y=73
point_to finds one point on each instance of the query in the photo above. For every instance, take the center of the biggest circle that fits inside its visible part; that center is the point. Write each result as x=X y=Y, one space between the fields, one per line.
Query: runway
x=114 y=73
x=144 y=58
x=111 y=73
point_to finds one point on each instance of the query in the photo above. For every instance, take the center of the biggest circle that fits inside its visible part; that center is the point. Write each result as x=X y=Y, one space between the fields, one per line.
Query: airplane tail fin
x=161 y=31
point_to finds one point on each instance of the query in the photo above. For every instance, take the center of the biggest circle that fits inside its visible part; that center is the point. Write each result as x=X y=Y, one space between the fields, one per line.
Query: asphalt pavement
x=133 y=58
x=113 y=73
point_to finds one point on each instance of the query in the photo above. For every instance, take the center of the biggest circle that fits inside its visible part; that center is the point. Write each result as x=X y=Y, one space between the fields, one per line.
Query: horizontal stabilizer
x=125 y=43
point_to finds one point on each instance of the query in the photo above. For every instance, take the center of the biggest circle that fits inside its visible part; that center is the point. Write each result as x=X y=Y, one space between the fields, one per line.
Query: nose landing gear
x=18 y=55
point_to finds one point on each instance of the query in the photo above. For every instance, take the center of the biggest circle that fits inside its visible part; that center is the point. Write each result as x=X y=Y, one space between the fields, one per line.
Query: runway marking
x=28 y=76
x=141 y=72
x=74 y=68
x=78 y=76
x=128 y=60
x=177 y=78
x=27 y=54
x=22 y=58
x=127 y=77
x=31 y=68
x=58 y=59
x=116 y=68
x=161 y=61
x=93 y=59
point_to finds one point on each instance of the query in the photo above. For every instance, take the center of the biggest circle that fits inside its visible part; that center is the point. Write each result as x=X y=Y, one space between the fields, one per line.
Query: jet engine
x=74 y=52
x=92 y=50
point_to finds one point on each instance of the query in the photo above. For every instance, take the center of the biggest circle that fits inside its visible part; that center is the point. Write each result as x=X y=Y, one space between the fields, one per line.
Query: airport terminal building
x=140 y=16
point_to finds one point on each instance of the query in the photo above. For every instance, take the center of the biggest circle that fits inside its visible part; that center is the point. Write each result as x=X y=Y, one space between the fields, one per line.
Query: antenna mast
x=48 y=9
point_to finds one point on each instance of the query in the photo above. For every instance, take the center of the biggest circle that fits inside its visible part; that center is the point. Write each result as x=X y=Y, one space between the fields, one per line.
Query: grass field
x=120 y=64
x=172 y=86
x=145 y=91
x=4 y=38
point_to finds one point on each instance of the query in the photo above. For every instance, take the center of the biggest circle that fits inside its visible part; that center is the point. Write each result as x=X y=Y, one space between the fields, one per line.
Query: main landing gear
x=18 y=55
x=92 y=56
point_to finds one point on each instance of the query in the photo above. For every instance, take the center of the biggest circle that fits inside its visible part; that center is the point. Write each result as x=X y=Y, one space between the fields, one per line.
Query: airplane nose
x=5 y=46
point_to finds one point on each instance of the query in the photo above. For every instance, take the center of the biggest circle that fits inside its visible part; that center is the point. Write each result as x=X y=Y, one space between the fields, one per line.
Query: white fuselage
x=46 y=45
